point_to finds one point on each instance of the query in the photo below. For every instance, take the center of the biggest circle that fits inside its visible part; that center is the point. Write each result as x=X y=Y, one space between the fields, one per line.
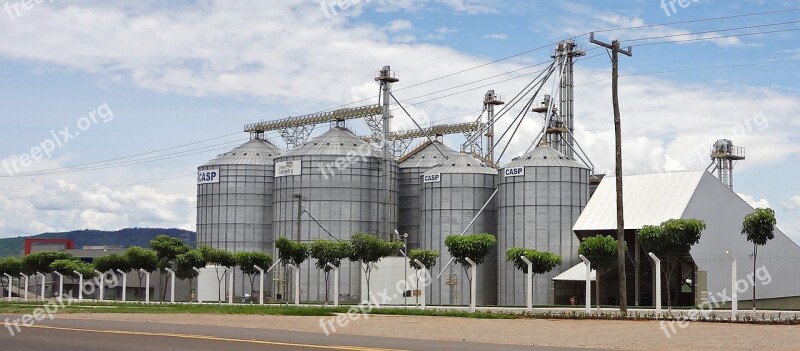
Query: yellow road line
x=211 y=338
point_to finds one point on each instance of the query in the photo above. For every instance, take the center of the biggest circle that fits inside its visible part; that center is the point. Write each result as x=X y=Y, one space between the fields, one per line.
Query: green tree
x=290 y=252
x=671 y=241
x=428 y=259
x=185 y=264
x=40 y=261
x=475 y=247
x=167 y=248
x=219 y=258
x=141 y=260
x=11 y=266
x=542 y=262
x=328 y=251
x=247 y=262
x=69 y=267
x=368 y=249
x=759 y=227
x=601 y=251
x=112 y=262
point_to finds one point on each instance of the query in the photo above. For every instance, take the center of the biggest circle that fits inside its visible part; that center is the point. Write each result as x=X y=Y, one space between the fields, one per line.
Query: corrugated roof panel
x=427 y=155
x=544 y=156
x=576 y=273
x=649 y=199
x=337 y=141
x=462 y=164
x=253 y=152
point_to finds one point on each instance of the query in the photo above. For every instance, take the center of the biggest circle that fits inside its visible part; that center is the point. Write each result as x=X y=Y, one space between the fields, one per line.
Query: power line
x=692 y=69
x=697 y=20
x=711 y=31
x=718 y=37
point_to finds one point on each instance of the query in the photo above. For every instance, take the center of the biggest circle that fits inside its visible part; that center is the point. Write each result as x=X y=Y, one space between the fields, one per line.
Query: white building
x=653 y=198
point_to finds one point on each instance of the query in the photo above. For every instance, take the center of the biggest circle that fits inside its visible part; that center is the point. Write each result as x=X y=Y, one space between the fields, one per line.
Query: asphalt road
x=94 y=335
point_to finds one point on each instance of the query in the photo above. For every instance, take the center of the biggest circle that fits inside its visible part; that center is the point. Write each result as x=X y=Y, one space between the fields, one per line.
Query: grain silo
x=234 y=201
x=412 y=166
x=337 y=179
x=541 y=194
x=452 y=194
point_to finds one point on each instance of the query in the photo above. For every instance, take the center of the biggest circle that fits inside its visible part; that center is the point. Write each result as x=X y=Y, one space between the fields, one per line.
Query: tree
x=11 y=266
x=185 y=264
x=141 y=260
x=542 y=262
x=219 y=258
x=40 y=261
x=247 y=262
x=167 y=248
x=601 y=251
x=368 y=249
x=290 y=252
x=327 y=251
x=69 y=267
x=112 y=262
x=475 y=247
x=671 y=241
x=759 y=227
x=426 y=257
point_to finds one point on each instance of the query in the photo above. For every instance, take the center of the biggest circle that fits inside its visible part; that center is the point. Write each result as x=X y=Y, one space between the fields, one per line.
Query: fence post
x=529 y=283
x=102 y=282
x=734 y=293
x=658 y=283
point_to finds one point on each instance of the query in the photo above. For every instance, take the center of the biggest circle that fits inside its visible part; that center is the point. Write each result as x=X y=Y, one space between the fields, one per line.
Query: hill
x=124 y=237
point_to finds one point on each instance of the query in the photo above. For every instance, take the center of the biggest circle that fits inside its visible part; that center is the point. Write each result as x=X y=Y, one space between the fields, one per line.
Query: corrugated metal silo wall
x=236 y=213
x=537 y=211
x=409 y=220
x=345 y=203
x=447 y=207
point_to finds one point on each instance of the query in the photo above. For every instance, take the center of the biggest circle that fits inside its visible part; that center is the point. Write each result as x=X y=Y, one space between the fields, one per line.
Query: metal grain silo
x=234 y=201
x=541 y=194
x=412 y=166
x=338 y=180
x=452 y=194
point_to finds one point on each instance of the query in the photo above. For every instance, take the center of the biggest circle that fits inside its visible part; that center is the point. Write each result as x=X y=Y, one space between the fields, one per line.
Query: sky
x=109 y=107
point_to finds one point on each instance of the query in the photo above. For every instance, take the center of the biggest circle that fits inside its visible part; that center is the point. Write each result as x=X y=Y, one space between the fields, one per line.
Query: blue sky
x=197 y=71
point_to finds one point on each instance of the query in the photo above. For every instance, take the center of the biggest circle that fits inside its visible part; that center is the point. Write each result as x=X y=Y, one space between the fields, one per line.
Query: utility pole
x=386 y=77
x=299 y=213
x=615 y=50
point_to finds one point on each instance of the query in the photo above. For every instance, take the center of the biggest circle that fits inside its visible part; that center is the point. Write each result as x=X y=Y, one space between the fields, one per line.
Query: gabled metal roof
x=253 y=152
x=544 y=156
x=462 y=164
x=338 y=141
x=576 y=273
x=427 y=155
x=649 y=200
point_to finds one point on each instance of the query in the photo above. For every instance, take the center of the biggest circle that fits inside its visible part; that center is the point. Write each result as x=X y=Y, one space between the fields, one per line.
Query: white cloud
x=581 y=19
x=792 y=204
x=398 y=26
x=440 y=33
x=496 y=36
x=761 y=203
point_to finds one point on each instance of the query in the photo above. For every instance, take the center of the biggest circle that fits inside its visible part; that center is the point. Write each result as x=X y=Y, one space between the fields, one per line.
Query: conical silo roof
x=544 y=156
x=338 y=141
x=253 y=152
x=463 y=163
x=427 y=155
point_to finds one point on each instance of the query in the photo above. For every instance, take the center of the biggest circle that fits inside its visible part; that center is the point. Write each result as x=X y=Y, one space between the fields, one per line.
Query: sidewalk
x=615 y=335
